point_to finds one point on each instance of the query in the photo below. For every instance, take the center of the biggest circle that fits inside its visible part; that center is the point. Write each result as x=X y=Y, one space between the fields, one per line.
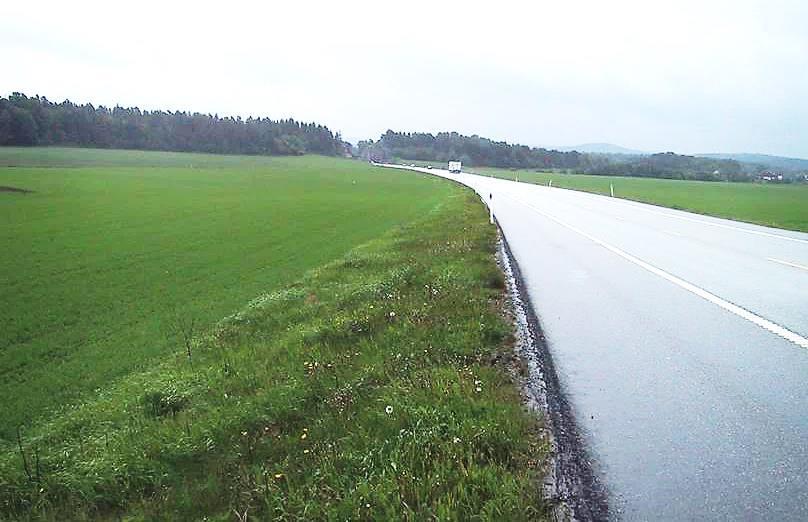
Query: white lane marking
x=704 y=294
x=795 y=265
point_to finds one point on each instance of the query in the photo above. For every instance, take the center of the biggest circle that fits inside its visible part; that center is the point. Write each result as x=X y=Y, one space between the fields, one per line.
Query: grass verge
x=781 y=206
x=366 y=390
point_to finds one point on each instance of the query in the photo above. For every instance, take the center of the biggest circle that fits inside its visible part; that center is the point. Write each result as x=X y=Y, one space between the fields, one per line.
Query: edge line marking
x=787 y=263
x=704 y=294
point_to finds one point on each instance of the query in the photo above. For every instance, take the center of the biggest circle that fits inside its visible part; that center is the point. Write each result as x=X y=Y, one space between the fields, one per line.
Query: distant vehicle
x=412 y=164
x=454 y=167
x=429 y=167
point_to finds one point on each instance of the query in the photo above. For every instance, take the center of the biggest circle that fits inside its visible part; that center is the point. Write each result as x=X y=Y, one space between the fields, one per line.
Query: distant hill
x=772 y=162
x=602 y=148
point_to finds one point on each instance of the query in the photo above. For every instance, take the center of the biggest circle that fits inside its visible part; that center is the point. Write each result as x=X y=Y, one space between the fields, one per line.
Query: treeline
x=674 y=166
x=38 y=121
x=483 y=152
x=471 y=150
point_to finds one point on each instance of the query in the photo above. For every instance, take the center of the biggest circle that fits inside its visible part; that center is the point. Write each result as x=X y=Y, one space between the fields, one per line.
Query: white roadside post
x=550 y=183
x=611 y=189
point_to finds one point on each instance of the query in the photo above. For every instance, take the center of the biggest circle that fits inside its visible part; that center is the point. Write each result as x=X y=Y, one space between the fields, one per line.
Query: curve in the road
x=676 y=339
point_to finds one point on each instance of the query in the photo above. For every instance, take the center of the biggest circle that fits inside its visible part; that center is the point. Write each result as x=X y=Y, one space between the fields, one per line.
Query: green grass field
x=781 y=206
x=99 y=260
x=343 y=322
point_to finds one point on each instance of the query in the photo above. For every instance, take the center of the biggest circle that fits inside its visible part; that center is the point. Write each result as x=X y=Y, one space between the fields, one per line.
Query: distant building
x=768 y=176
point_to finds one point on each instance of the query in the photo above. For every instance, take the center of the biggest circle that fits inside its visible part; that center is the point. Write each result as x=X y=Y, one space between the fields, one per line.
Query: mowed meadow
x=774 y=205
x=190 y=335
x=98 y=262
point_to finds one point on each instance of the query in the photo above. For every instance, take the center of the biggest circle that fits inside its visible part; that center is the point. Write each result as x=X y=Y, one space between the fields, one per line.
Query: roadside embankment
x=372 y=388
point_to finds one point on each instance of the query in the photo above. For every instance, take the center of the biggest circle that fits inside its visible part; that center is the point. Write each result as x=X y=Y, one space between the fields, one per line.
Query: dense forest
x=477 y=151
x=38 y=121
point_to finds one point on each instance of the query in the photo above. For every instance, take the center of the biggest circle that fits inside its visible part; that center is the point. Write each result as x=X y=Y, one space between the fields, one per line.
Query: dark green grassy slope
x=363 y=391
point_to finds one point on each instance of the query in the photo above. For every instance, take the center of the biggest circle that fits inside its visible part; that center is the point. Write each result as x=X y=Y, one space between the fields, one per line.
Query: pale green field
x=96 y=259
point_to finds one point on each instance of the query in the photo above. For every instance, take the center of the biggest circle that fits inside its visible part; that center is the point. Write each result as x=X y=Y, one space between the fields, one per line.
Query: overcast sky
x=687 y=76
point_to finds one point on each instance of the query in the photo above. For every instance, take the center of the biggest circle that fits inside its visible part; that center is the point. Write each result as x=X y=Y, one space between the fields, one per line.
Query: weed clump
x=495 y=280
x=162 y=403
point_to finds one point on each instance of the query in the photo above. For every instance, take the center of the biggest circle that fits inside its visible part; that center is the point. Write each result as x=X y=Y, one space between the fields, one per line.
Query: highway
x=681 y=342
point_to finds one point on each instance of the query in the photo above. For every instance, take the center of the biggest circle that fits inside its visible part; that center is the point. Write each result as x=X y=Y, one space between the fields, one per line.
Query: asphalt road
x=681 y=342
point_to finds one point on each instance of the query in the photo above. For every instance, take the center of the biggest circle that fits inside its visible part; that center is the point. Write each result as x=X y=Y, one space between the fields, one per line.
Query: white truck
x=454 y=167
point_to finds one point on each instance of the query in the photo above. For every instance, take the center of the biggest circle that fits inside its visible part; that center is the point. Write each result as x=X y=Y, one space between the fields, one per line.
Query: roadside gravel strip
x=571 y=485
